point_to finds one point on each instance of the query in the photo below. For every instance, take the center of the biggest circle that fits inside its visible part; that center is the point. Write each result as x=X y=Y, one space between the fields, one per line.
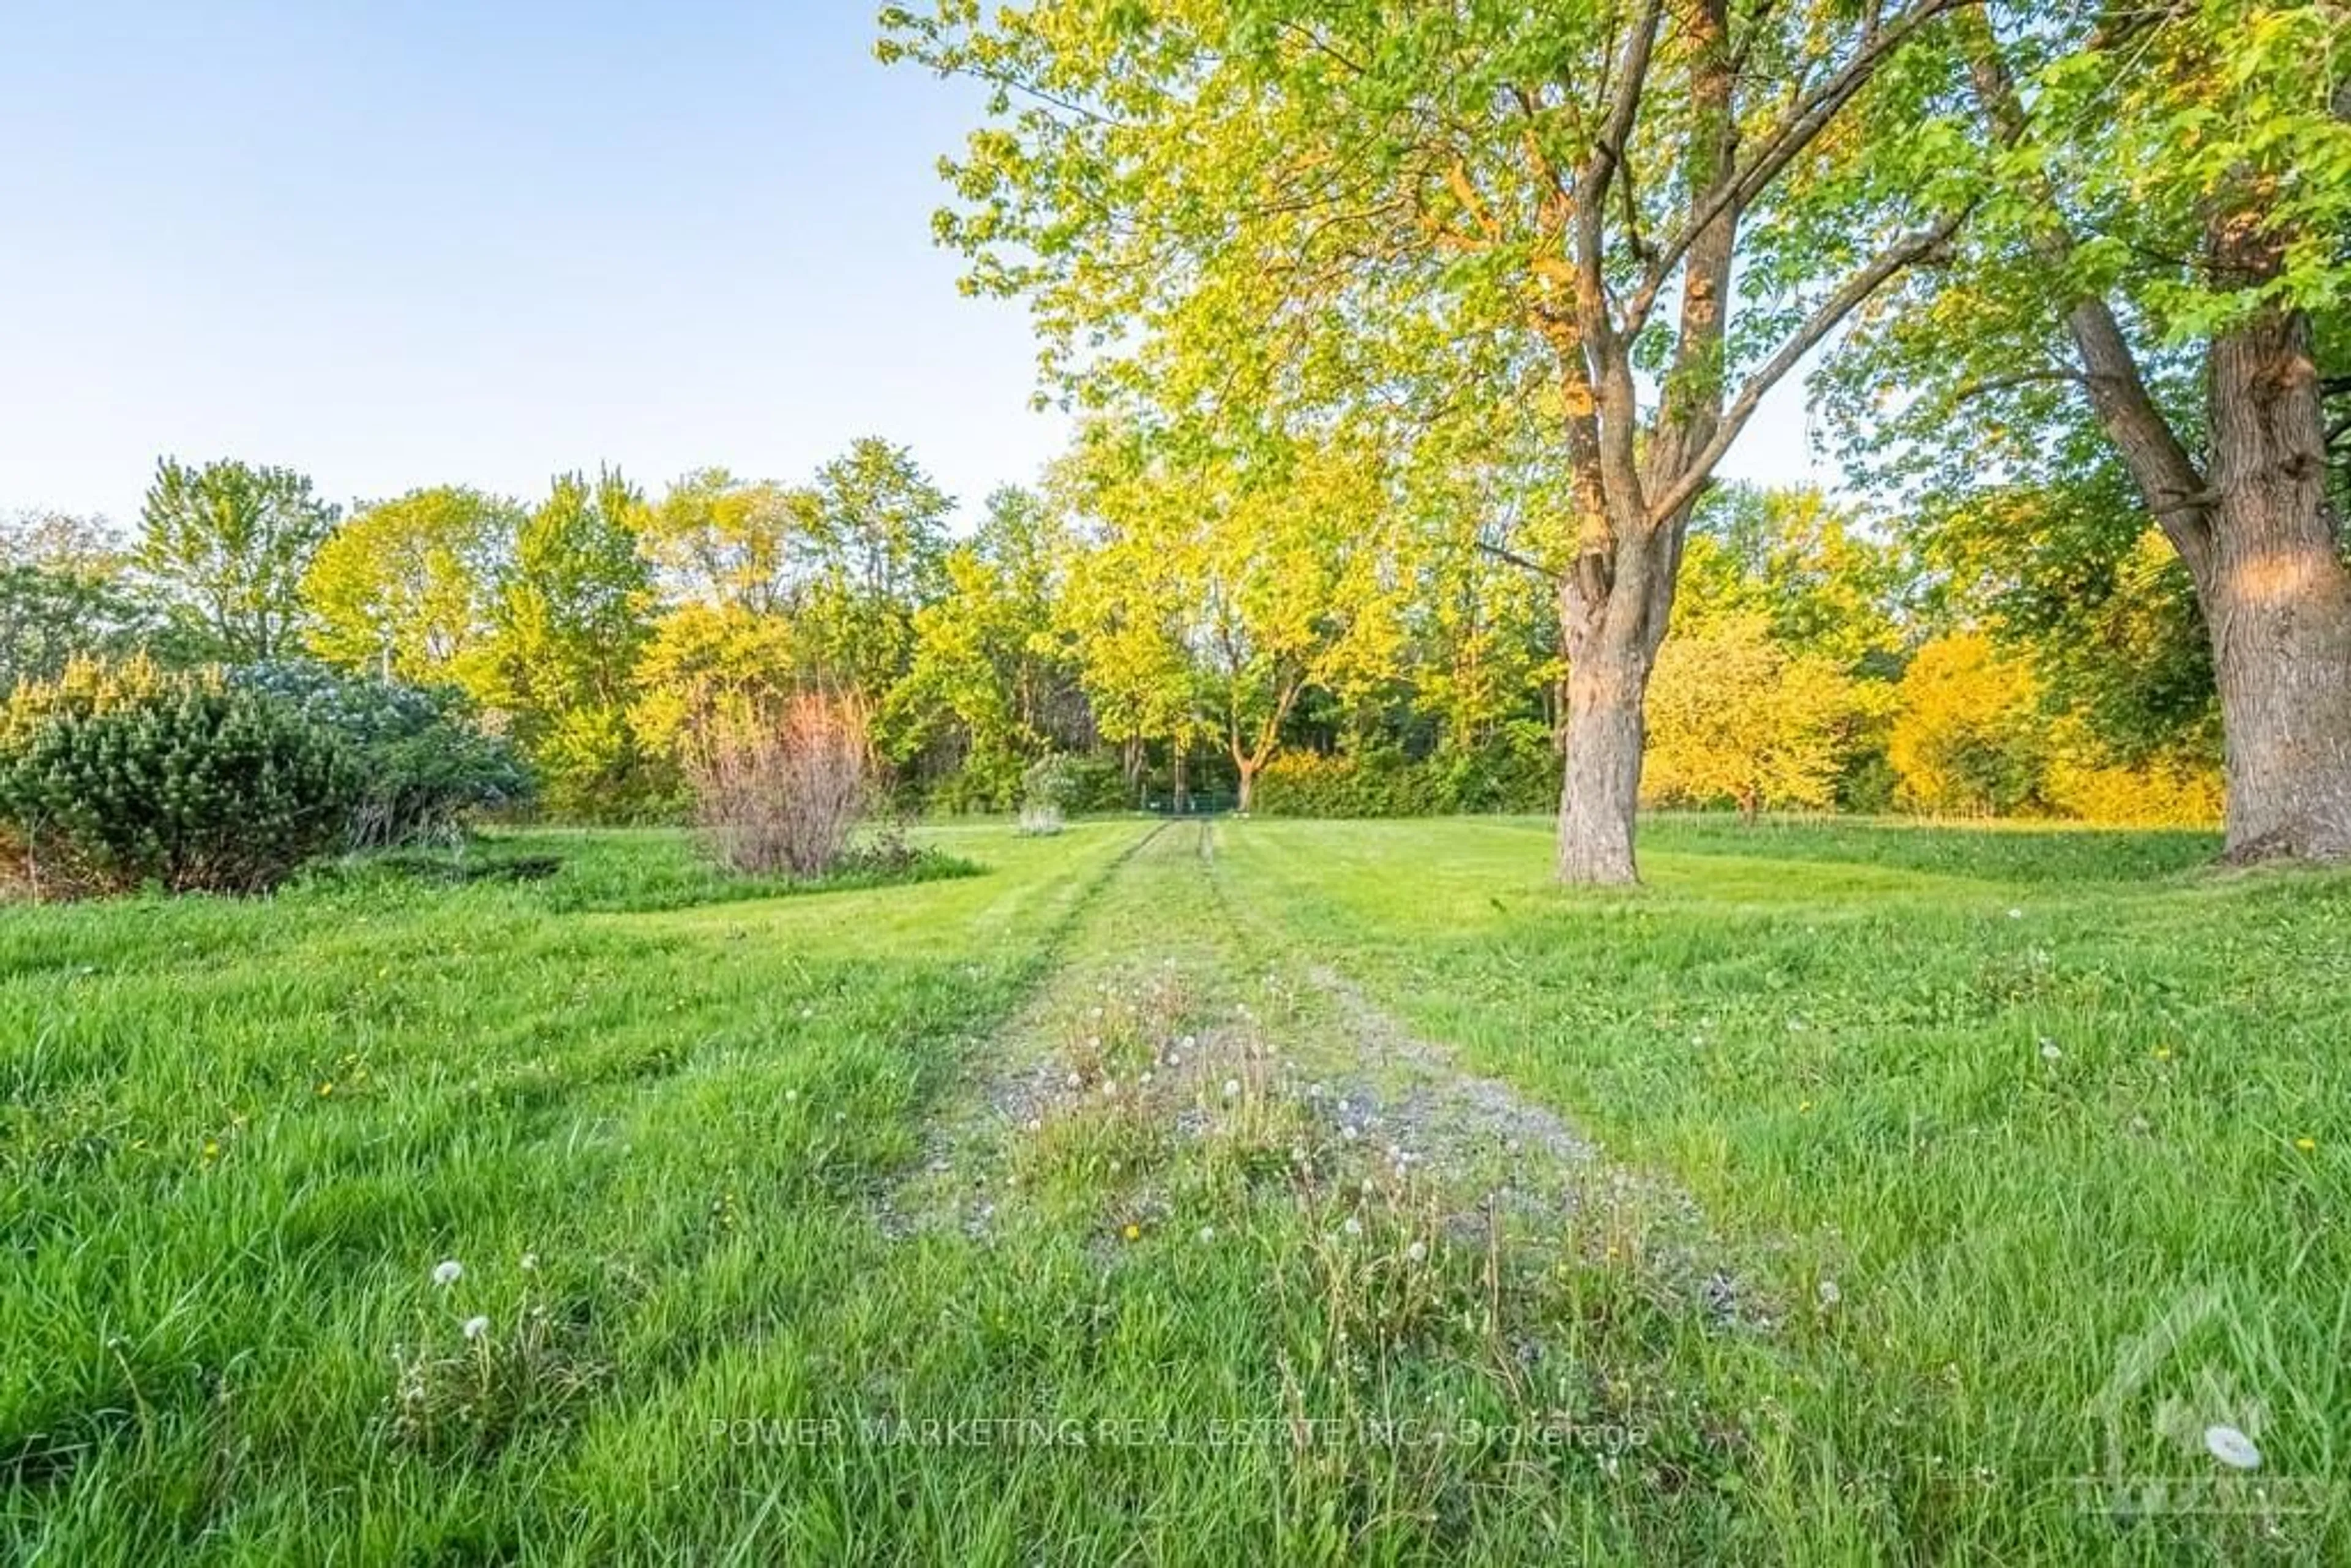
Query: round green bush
x=115 y=780
x=425 y=764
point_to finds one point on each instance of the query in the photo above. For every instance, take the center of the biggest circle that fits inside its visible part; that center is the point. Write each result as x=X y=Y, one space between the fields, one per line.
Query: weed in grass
x=472 y=1384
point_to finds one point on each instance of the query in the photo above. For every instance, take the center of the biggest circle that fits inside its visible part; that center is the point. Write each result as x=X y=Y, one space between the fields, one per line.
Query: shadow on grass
x=1991 y=852
x=589 y=877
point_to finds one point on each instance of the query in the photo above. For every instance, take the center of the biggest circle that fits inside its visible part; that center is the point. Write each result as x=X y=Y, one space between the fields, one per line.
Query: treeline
x=1318 y=632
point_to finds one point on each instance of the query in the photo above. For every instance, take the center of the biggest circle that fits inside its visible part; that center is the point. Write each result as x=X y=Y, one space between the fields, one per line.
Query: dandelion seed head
x=447 y=1272
x=2231 y=1448
x=475 y=1327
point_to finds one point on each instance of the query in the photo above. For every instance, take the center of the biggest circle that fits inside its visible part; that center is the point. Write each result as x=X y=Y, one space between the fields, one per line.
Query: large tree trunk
x=2277 y=600
x=1603 y=785
x=1248 y=773
x=1611 y=624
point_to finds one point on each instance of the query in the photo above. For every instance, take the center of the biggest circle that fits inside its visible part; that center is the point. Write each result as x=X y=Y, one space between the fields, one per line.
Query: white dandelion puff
x=447 y=1272
x=1418 y=1252
x=475 y=1327
x=2231 y=1448
x=2049 y=1052
x=1829 y=1293
x=1232 y=1088
x=1354 y=1226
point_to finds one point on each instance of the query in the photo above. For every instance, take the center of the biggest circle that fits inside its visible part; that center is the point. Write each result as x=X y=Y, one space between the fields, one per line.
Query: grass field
x=1259 y=1192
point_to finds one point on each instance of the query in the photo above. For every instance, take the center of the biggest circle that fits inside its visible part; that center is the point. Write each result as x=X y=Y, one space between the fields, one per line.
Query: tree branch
x=1823 y=319
x=1523 y=563
x=1796 y=129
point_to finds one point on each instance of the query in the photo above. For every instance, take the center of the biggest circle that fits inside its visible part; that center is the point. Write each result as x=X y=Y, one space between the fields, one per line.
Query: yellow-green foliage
x=1972 y=735
x=89 y=685
x=404 y=589
x=1969 y=734
x=2161 y=793
x=709 y=660
x=1734 y=715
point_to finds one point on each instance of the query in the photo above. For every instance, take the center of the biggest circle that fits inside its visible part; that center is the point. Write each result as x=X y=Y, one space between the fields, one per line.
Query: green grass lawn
x=1186 y=1195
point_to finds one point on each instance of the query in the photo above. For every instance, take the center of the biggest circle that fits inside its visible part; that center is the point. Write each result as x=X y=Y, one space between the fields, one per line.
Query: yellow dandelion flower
x=2163 y=1053
x=326 y=1089
x=1134 y=1232
x=1804 y=1109
x=2306 y=1144
x=212 y=1149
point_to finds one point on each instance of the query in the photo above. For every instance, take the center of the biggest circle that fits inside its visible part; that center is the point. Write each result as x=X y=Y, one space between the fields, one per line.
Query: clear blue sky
x=397 y=244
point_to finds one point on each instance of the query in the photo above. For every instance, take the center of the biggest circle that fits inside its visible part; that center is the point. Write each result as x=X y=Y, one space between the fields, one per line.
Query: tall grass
x=995 y=1219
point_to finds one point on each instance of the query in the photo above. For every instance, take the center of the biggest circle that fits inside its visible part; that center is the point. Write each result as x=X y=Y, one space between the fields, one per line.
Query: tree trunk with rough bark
x=1600 y=793
x=2277 y=600
x=1612 y=621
